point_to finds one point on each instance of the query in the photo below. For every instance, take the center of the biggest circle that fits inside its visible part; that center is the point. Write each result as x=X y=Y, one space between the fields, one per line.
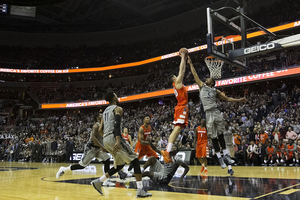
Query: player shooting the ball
x=181 y=110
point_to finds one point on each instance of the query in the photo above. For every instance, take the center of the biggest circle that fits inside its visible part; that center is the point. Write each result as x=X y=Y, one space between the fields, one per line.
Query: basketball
x=184 y=50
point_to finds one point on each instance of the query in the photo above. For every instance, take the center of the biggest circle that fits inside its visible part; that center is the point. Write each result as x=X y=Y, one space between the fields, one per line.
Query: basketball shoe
x=221 y=161
x=143 y=193
x=97 y=185
x=228 y=159
x=166 y=155
x=202 y=169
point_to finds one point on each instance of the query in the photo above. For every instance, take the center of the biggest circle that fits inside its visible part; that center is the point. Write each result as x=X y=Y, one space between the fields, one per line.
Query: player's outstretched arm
x=182 y=67
x=223 y=97
x=141 y=137
x=194 y=72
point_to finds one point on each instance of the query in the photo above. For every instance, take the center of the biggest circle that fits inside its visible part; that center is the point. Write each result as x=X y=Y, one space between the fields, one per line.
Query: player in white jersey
x=117 y=146
x=93 y=149
x=214 y=120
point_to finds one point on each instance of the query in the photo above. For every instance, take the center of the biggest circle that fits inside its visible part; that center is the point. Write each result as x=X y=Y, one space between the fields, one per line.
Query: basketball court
x=37 y=181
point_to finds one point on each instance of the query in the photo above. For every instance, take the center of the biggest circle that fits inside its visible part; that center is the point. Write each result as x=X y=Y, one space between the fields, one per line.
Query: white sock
x=205 y=168
x=218 y=155
x=142 y=169
x=225 y=152
x=102 y=178
x=169 y=147
x=229 y=167
x=65 y=169
x=139 y=184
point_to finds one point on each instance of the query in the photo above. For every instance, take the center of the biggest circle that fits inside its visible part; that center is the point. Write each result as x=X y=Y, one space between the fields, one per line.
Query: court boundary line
x=291 y=186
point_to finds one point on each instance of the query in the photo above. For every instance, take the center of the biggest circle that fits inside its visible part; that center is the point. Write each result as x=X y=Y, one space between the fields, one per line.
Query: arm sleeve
x=117 y=126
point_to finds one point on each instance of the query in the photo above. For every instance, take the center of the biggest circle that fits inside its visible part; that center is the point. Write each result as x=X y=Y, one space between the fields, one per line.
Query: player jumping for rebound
x=181 y=110
x=214 y=120
x=201 y=144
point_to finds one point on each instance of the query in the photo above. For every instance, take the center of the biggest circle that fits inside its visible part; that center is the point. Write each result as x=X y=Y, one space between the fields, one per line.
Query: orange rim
x=210 y=59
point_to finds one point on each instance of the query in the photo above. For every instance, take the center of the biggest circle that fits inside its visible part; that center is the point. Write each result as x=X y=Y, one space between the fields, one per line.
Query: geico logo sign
x=258 y=48
x=78 y=156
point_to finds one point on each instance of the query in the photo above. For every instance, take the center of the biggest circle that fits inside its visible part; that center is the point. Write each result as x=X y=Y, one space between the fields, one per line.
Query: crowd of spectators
x=54 y=136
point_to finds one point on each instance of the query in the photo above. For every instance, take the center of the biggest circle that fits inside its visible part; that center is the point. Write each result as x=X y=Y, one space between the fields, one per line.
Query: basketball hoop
x=215 y=67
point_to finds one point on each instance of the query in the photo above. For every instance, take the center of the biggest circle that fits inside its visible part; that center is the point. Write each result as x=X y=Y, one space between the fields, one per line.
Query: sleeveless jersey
x=280 y=148
x=201 y=135
x=270 y=149
x=98 y=136
x=126 y=137
x=147 y=132
x=109 y=120
x=290 y=147
x=181 y=95
x=228 y=137
x=208 y=97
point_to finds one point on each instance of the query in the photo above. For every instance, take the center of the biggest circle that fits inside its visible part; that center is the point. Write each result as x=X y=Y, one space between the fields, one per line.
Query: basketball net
x=215 y=67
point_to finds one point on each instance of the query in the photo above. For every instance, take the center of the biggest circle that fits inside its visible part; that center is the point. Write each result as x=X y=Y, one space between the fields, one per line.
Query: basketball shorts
x=290 y=155
x=214 y=123
x=125 y=155
x=270 y=155
x=181 y=116
x=90 y=153
x=278 y=154
x=201 y=151
x=145 y=150
x=158 y=173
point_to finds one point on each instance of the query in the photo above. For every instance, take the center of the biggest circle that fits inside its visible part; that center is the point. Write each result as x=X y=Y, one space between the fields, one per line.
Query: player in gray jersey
x=117 y=146
x=214 y=120
x=93 y=149
x=163 y=174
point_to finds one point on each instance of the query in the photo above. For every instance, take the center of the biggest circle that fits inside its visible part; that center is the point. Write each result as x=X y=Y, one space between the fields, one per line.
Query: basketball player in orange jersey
x=126 y=136
x=291 y=151
x=201 y=139
x=143 y=147
x=270 y=151
x=181 y=110
x=281 y=152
